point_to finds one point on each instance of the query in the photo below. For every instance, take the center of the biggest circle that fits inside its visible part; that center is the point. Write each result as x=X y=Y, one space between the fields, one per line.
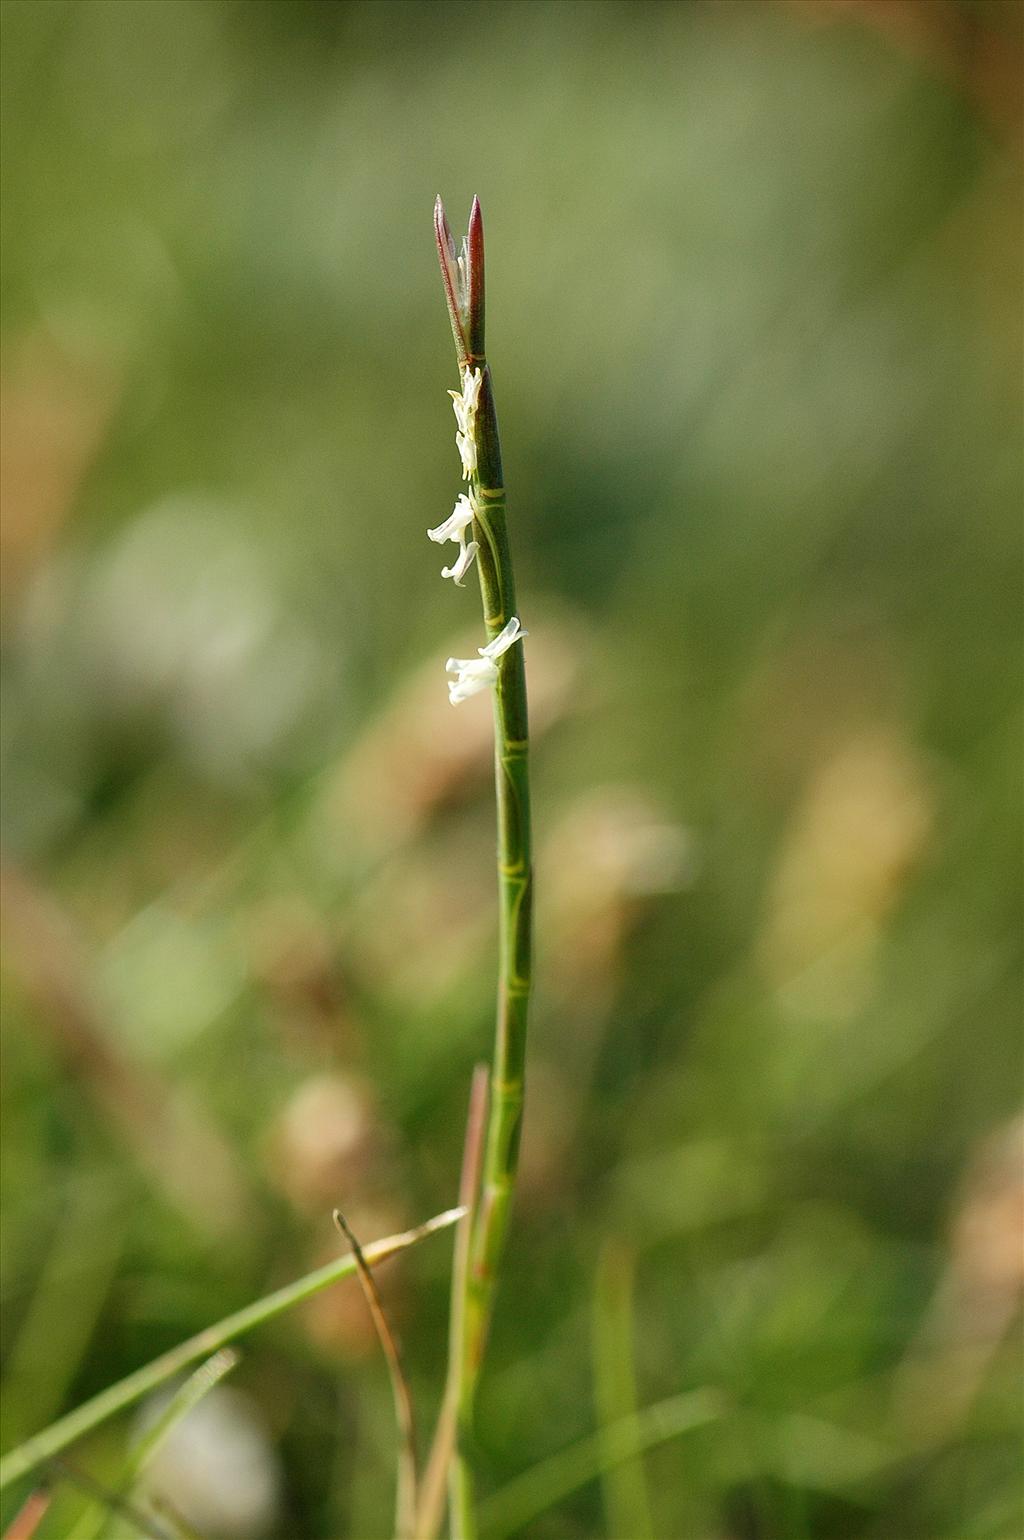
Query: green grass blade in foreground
x=626 y=1501
x=44 y=1354
x=188 y=1395
x=43 y=1446
x=535 y=1491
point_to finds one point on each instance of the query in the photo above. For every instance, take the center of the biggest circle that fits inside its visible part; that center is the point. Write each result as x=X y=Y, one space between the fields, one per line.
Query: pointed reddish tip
x=441 y=229
x=475 y=247
x=450 y=276
x=475 y=231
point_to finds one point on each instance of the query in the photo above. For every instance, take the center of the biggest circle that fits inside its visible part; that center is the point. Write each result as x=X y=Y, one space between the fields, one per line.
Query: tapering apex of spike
x=475 y=251
x=462 y=273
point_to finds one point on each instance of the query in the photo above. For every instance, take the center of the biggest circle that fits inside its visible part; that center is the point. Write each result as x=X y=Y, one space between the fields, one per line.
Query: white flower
x=467 y=449
x=454 y=528
x=510 y=633
x=464 y=406
x=464 y=403
x=471 y=383
x=462 y=564
x=456 y=524
x=462 y=279
x=475 y=674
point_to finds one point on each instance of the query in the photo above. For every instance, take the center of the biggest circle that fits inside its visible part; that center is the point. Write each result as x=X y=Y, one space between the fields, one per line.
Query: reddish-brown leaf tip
x=475 y=250
x=450 y=279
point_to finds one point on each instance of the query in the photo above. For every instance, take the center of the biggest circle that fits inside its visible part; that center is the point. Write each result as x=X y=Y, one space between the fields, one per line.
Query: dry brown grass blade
x=29 y=1516
x=405 y=1482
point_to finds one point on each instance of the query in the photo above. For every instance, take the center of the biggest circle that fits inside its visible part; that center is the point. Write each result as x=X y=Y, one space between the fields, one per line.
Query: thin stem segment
x=515 y=881
x=439 y=1465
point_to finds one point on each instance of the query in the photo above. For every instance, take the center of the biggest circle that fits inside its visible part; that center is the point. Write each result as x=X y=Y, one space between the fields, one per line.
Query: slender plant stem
x=52 y=1440
x=515 y=881
x=626 y=1499
x=462 y=1499
x=511 y=730
x=436 y=1477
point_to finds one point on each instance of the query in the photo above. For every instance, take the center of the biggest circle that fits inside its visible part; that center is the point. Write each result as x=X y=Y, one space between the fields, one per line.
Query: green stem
x=52 y=1440
x=438 y=1473
x=515 y=889
x=626 y=1500
x=462 y=1499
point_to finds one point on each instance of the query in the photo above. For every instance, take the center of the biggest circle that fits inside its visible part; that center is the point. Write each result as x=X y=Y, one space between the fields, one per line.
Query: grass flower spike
x=454 y=528
x=499 y=668
x=475 y=674
x=462 y=274
x=465 y=405
x=467 y=401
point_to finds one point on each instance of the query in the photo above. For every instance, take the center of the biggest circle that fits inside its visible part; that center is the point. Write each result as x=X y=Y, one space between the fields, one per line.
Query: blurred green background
x=754 y=320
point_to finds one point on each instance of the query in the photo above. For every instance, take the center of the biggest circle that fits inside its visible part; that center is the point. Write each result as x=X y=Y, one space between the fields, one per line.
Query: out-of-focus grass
x=755 y=322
